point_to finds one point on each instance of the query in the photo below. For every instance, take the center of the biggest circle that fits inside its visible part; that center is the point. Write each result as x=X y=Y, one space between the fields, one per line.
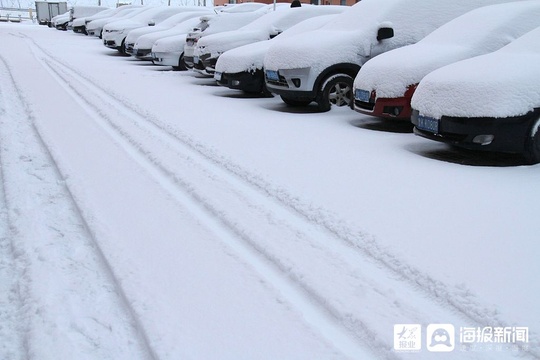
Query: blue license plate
x=362 y=95
x=427 y=123
x=217 y=76
x=196 y=59
x=272 y=75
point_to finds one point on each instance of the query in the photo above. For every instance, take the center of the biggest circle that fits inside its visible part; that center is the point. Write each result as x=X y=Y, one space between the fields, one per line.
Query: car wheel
x=295 y=101
x=101 y=34
x=532 y=144
x=122 y=47
x=181 y=64
x=336 y=90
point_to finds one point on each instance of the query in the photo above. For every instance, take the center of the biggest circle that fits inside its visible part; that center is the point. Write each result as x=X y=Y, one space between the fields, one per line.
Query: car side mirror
x=151 y=23
x=385 y=33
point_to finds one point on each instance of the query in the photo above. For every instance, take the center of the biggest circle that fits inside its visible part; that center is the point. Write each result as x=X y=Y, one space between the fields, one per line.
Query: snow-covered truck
x=46 y=10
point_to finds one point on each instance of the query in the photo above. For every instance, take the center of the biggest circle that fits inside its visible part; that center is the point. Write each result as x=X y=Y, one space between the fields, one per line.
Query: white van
x=320 y=66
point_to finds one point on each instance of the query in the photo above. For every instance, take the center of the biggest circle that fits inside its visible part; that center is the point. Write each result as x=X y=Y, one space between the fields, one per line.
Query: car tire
x=532 y=144
x=181 y=64
x=336 y=90
x=295 y=101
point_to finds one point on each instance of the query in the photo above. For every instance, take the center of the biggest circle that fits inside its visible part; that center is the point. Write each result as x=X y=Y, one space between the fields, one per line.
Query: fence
x=16 y=14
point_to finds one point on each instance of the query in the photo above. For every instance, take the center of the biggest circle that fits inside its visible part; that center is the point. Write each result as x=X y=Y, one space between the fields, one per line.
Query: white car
x=320 y=66
x=139 y=41
x=385 y=85
x=114 y=33
x=489 y=102
x=210 y=47
x=242 y=68
x=80 y=12
x=222 y=22
x=94 y=27
x=60 y=22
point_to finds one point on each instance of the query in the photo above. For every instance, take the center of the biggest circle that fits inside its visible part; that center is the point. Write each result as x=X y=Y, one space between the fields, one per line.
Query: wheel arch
x=342 y=68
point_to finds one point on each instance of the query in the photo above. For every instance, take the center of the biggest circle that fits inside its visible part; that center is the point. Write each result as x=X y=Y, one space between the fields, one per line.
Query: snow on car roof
x=355 y=31
x=475 y=33
x=251 y=56
x=262 y=28
x=499 y=84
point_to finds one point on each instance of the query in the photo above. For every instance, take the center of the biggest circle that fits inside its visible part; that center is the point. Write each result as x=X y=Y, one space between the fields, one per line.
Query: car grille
x=364 y=105
x=281 y=82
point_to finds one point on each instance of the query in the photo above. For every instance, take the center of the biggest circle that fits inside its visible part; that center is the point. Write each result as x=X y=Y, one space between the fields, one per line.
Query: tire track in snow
x=277 y=206
x=61 y=249
x=12 y=327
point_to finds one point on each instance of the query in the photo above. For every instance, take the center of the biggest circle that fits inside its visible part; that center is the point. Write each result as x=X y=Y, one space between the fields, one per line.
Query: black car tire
x=181 y=64
x=295 y=101
x=532 y=144
x=336 y=90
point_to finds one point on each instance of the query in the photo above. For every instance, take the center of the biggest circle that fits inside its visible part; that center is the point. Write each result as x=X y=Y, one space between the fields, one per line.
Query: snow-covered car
x=80 y=12
x=139 y=41
x=169 y=51
x=385 y=85
x=95 y=26
x=320 y=66
x=209 y=48
x=60 y=22
x=222 y=22
x=489 y=102
x=114 y=33
x=242 y=68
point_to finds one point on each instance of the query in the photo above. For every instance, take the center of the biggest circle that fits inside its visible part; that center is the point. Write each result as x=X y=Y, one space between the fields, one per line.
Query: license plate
x=427 y=123
x=362 y=95
x=217 y=76
x=272 y=75
x=196 y=59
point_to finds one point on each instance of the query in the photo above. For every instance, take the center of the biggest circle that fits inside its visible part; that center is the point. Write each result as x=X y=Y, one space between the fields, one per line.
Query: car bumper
x=166 y=58
x=246 y=81
x=143 y=54
x=292 y=83
x=395 y=108
x=491 y=134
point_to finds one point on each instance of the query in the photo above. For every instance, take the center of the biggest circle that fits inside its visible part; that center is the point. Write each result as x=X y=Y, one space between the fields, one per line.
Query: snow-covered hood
x=148 y=40
x=100 y=23
x=251 y=57
x=500 y=84
x=352 y=36
x=478 y=32
x=122 y=25
x=170 y=44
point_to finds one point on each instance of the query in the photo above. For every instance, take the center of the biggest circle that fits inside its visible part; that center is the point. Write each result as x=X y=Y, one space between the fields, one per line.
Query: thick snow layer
x=127 y=13
x=149 y=214
x=155 y=15
x=262 y=29
x=500 y=84
x=173 y=43
x=178 y=21
x=251 y=57
x=352 y=37
x=478 y=32
x=230 y=21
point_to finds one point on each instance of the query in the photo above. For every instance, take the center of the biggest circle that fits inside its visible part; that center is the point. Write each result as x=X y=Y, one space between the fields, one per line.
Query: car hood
x=218 y=43
x=170 y=44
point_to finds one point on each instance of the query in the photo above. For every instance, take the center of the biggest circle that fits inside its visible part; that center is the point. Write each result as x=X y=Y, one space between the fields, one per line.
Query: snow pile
x=500 y=84
x=148 y=40
x=478 y=32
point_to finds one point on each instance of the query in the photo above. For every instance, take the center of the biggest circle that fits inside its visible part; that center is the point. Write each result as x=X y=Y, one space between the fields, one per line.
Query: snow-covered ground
x=149 y=214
